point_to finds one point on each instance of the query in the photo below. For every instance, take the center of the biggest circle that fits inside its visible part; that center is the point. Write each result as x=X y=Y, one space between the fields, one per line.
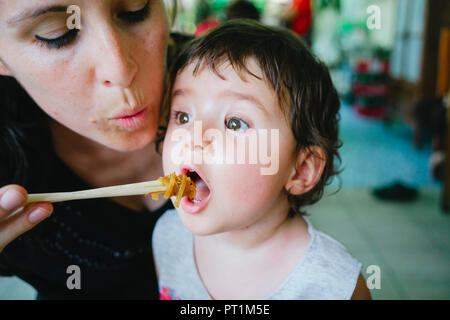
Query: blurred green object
x=203 y=10
x=322 y=4
x=348 y=27
x=368 y=78
x=218 y=6
x=382 y=53
x=259 y=4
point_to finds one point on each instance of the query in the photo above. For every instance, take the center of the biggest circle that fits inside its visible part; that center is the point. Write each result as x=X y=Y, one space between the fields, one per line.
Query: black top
x=111 y=245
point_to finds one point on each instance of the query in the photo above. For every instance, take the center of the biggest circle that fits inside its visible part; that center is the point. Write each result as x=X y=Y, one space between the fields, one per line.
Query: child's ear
x=307 y=171
x=4 y=71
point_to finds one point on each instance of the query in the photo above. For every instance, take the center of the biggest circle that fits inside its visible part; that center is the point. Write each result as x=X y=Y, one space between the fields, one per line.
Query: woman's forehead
x=15 y=11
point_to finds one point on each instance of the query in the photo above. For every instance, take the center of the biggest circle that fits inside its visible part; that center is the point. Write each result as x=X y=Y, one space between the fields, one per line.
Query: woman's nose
x=115 y=66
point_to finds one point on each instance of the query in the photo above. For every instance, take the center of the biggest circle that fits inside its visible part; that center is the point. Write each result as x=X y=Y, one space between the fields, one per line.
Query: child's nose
x=204 y=145
x=200 y=149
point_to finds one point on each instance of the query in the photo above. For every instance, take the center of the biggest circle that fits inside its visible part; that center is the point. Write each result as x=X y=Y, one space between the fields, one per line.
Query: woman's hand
x=13 y=197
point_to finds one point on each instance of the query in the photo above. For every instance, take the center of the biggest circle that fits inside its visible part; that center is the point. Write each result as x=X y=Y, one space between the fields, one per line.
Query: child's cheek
x=169 y=165
x=242 y=186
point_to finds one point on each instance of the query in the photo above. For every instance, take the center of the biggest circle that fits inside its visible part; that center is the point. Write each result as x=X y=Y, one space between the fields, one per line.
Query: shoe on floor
x=396 y=192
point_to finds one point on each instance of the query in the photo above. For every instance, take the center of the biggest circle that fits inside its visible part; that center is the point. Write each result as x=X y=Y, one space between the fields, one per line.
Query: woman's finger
x=12 y=197
x=22 y=221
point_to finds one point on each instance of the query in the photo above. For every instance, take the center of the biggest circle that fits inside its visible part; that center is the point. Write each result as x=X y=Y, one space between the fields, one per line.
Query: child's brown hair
x=302 y=83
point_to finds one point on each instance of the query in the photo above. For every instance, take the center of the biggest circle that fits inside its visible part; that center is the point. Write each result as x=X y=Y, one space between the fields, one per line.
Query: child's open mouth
x=203 y=191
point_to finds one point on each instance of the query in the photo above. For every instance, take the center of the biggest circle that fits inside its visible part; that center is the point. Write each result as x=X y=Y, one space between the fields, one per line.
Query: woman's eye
x=182 y=117
x=59 y=42
x=236 y=124
x=135 y=16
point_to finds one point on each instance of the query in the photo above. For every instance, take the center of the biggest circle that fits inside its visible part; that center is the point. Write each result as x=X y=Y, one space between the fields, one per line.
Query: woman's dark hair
x=25 y=140
x=242 y=9
x=26 y=152
x=302 y=84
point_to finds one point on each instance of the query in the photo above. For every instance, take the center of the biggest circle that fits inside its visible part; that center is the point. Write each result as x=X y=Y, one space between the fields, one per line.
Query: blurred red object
x=369 y=90
x=205 y=25
x=301 y=23
x=362 y=67
x=371 y=66
x=373 y=112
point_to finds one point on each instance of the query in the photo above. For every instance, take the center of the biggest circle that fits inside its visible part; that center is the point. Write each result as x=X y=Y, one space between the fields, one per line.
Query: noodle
x=181 y=190
x=179 y=186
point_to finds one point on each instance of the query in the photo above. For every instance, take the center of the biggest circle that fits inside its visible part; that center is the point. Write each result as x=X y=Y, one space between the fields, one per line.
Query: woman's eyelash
x=136 y=16
x=68 y=37
x=60 y=42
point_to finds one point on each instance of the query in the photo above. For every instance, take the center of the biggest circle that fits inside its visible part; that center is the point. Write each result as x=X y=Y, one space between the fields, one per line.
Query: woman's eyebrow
x=33 y=13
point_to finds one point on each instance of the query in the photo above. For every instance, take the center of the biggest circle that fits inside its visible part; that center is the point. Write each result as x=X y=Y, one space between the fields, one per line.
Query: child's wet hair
x=301 y=82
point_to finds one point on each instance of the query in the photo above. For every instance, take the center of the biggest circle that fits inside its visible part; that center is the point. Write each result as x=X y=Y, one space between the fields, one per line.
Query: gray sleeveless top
x=326 y=270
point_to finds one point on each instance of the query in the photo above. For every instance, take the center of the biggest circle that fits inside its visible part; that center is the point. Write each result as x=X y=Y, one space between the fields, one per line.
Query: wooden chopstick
x=115 y=191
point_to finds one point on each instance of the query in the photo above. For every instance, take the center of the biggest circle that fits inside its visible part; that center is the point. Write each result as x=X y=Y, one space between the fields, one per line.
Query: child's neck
x=269 y=226
x=254 y=261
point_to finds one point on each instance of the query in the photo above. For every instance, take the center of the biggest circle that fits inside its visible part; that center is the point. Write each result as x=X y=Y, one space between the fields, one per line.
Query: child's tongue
x=202 y=190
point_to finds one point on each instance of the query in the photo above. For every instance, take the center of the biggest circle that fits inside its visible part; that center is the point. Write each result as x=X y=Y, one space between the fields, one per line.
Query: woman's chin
x=130 y=143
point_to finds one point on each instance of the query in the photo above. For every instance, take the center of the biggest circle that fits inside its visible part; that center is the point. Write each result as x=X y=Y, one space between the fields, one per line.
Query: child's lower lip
x=189 y=206
x=195 y=205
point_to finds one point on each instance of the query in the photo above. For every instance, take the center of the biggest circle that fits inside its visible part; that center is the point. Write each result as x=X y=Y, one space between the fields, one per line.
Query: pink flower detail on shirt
x=167 y=294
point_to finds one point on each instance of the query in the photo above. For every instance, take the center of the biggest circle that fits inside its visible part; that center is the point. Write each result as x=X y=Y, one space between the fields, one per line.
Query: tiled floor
x=409 y=242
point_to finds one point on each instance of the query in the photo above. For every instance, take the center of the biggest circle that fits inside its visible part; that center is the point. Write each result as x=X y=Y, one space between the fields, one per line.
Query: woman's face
x=103 y=81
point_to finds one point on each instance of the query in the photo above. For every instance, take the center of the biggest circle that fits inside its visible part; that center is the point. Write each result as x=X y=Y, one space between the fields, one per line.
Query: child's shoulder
x=170 y=220
x=327 y=251
x=327 y=245
x=327 y=270
x=169 y=230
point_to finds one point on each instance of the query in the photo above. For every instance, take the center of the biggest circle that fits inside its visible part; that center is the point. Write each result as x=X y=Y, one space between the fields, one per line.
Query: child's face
x=233 y=195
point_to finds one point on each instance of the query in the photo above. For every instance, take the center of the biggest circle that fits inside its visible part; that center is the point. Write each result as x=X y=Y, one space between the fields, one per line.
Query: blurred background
x=390 y=62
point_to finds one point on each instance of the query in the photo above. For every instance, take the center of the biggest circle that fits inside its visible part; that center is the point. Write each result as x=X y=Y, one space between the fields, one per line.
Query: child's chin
x=198 y=225
x=201 y=232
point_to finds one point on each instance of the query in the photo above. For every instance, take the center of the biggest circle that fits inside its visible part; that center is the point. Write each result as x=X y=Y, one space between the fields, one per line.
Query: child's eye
x=236 y=124
x=182 y=117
